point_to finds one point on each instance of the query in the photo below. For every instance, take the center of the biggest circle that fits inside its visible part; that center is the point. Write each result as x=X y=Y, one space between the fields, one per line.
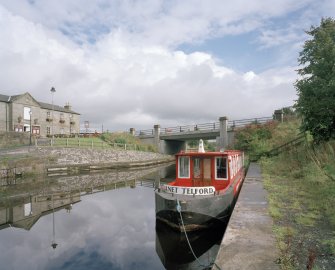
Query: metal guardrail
x=145 y=132
x=244 y=122
x=275 y=151
x=204 y=127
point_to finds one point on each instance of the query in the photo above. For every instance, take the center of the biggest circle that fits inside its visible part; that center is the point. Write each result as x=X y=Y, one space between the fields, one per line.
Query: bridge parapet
x=214 y=126
x=171 y=140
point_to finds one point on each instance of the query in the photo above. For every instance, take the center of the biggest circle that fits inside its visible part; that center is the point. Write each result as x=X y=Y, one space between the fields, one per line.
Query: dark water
x=113 y=228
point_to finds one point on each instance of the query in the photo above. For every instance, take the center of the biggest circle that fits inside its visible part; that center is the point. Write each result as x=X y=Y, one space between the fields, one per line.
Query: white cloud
x=132 y=76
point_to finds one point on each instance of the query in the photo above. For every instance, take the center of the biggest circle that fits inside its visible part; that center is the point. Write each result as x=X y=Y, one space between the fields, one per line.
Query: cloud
x=116 y=62
x=121 y=84
x=154 y=21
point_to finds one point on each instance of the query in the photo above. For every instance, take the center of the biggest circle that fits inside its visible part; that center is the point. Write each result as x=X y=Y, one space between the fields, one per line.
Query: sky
x=137 y=63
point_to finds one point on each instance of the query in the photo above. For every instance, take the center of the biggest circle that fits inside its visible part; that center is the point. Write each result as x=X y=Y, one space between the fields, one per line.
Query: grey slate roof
x=4 y=98
x=55 y=107
x=47 y=106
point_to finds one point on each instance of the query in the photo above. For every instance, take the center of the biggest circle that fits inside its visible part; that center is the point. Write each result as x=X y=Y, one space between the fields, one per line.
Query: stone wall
x=74 y=156
x=13 y=138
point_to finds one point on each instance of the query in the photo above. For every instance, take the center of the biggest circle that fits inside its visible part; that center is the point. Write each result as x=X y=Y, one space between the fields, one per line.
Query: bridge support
x=279 y=115
x=222 y=141
x=132 y=131
x=157 y=131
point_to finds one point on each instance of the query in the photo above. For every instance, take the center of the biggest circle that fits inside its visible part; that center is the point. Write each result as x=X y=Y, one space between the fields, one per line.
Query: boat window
x=221 y=168
x=196 y=168
x=184 y=167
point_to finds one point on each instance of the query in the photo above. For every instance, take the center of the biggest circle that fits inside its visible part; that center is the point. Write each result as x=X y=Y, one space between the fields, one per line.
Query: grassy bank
x=301 y=190
x=301 y=202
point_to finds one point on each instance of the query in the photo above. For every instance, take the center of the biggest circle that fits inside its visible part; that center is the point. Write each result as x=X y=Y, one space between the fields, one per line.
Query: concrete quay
x=249 y=242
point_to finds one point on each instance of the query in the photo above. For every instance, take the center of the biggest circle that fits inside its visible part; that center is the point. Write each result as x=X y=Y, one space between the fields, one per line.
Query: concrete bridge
x=171 y=140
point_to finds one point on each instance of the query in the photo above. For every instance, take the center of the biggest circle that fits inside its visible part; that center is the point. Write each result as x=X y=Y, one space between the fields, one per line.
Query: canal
x=95 y=221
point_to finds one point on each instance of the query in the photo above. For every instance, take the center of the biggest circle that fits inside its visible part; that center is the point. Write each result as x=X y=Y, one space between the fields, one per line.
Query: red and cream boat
x=204 y=191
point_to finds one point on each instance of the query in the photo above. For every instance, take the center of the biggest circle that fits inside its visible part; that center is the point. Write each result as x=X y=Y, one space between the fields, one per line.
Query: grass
x=119 y=140
x=126 y=138
x=301 y=191
x=302 y=200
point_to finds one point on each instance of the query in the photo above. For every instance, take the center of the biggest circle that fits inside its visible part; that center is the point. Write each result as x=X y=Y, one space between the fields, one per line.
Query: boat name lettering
x=189 y=190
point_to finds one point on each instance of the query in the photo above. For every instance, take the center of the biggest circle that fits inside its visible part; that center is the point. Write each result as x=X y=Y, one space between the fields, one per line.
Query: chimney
x=67 y=106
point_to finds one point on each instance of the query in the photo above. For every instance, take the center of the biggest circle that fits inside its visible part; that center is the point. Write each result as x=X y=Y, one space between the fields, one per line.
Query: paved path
x=249 y=242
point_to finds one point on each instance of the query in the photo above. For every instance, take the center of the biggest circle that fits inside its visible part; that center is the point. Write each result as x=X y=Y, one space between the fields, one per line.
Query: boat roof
x=204 y=154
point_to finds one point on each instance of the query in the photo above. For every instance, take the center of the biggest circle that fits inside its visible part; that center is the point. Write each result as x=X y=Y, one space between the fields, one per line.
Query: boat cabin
x=200 y=169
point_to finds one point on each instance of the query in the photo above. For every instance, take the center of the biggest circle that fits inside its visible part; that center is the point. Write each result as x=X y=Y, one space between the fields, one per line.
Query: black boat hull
x=197 y=212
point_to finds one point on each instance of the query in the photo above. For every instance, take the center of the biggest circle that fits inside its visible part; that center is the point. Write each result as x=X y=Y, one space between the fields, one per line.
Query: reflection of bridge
x=172 y=139
x=23 y=210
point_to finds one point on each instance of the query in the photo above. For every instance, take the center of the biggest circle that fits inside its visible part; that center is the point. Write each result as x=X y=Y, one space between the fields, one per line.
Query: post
x=279 y=115
x=52 y=90
x=70 y=123
x=223 y=141
x=30 y=113
x=157 y=130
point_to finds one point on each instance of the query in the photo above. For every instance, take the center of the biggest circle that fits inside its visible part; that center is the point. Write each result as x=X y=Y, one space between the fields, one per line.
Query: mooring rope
x=188 y=241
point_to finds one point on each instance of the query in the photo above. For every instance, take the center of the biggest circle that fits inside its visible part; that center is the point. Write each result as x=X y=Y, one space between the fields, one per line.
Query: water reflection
x=199 y=252
x=95 y=221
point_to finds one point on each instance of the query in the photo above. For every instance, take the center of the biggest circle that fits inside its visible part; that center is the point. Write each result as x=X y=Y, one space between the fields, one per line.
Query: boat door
x=197 y=168
x=207 y=169
x=201 y=170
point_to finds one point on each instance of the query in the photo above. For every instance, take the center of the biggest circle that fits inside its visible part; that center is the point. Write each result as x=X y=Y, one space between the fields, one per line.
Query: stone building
x=19 y=113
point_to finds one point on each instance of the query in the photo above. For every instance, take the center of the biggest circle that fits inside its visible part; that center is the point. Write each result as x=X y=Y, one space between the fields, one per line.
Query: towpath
x=249 y=242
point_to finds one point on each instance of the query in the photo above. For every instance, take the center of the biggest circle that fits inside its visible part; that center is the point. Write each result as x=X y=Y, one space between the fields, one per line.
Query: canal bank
x=249 y=242
x=75 y=160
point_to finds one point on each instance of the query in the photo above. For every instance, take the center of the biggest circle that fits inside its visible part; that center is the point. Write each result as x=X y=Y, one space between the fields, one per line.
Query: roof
x=4 y=98
x=55 y=107
x=208 y=154
x=47 y=106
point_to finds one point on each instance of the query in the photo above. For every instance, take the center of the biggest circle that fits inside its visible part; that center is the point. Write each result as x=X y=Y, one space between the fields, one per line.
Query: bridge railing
x=204 y=127
x=188 y=128
x=244 y=122
x=145 y=132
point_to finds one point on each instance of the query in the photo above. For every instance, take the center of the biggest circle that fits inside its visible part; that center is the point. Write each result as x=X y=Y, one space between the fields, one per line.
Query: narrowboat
x=204 y=191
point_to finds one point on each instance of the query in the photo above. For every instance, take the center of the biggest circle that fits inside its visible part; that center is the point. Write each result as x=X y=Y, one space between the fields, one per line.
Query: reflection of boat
x=174 y=250
x=205 y=188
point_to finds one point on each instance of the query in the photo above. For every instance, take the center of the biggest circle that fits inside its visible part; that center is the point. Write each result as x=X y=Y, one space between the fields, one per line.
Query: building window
x=26 y=128
x=221 y=168
x=48 y=114
x=36 y=130
x=18 y=128
x=26 y=113
x=48 y=130
x=61 y=118
x=184 y=167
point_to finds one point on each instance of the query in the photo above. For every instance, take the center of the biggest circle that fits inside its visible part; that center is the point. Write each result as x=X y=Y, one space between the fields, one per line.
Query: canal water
x=95 y=221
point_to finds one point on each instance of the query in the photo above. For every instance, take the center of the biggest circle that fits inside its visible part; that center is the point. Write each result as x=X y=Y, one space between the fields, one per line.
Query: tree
x=316 y=88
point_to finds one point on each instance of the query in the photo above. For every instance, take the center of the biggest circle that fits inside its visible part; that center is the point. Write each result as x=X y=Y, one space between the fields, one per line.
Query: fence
x=10 y=174
x=85 y=143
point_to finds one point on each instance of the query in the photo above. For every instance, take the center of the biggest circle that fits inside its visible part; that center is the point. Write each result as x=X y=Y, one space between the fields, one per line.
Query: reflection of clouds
x=115 y=228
